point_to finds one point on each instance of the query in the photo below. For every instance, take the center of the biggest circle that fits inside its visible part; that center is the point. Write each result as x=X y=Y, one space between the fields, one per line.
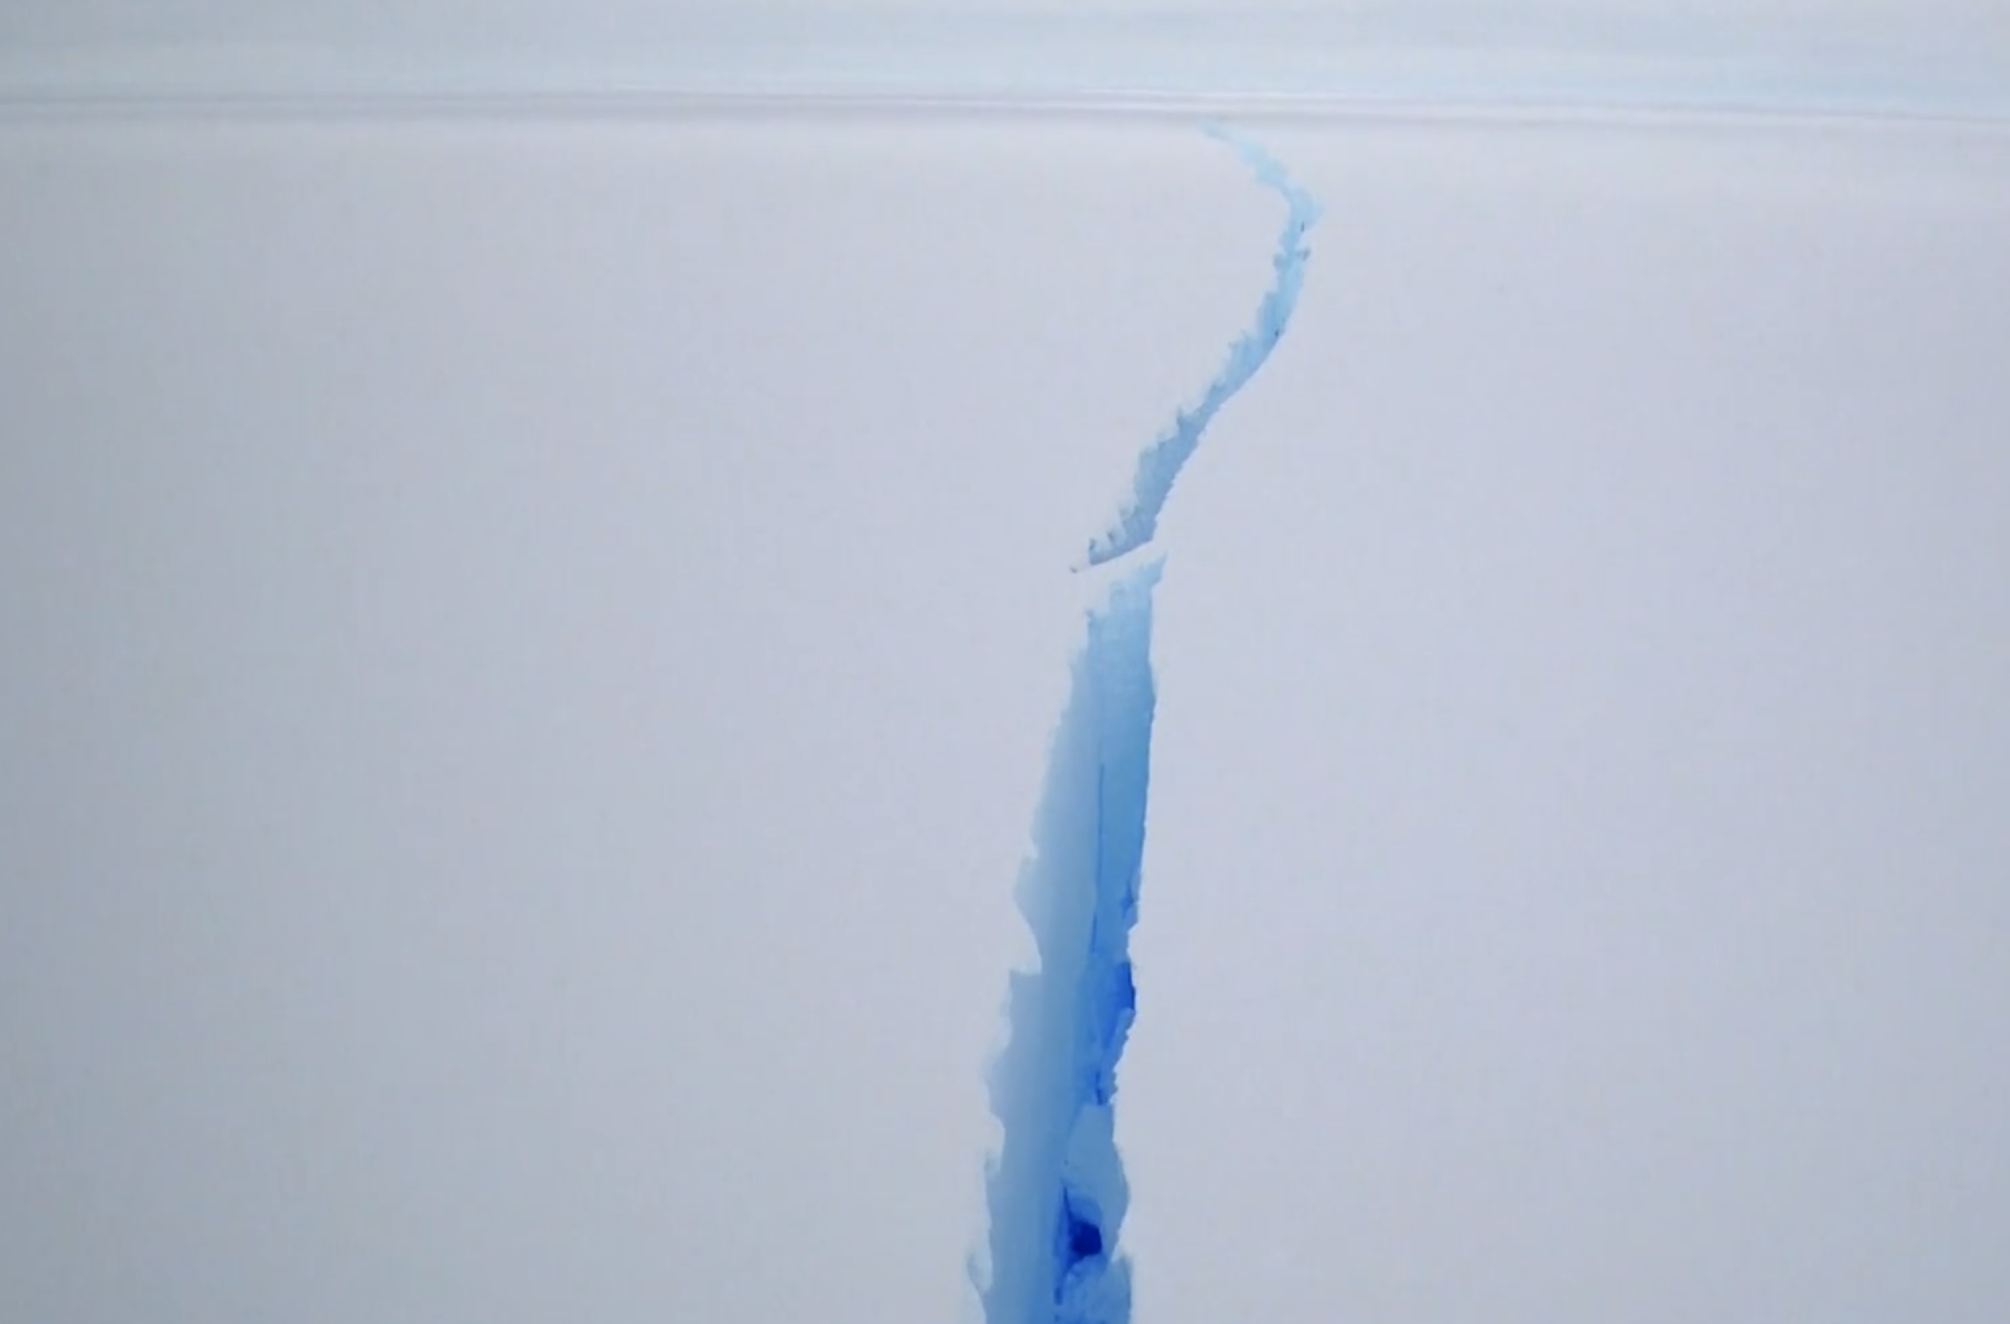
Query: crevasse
x=1057 y=1189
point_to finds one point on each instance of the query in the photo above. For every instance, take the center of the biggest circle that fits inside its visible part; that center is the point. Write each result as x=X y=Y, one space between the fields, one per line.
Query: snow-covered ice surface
x=529 y=643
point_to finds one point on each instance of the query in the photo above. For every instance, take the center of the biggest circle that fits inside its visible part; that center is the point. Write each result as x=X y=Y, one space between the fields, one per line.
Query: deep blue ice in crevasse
x=1057 y=1188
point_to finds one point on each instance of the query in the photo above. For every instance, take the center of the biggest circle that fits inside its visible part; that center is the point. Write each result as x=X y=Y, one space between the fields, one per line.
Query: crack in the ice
x=1057 y=1189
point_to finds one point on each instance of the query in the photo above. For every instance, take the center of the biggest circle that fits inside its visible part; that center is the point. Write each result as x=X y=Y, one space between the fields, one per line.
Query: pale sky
x=1943 y=56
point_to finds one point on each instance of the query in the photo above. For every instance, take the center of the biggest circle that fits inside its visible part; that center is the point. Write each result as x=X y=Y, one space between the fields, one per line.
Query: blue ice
x=1057 y=1189
x=1160 y=463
